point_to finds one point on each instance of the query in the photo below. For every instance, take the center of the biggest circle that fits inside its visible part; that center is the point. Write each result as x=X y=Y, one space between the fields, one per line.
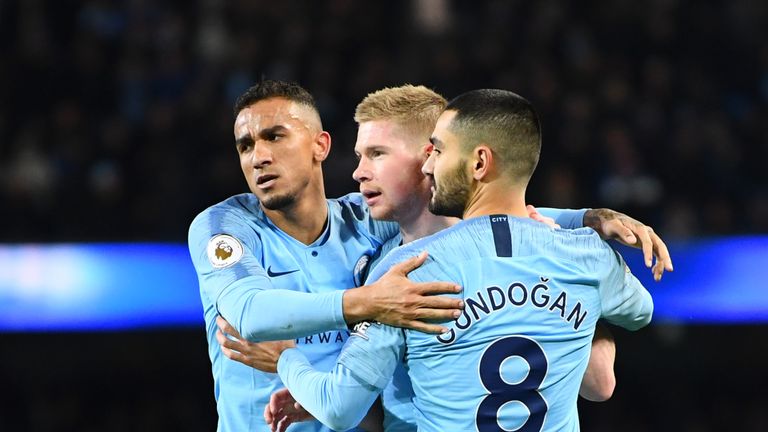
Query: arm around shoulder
x=624 y=300
x=566 y=218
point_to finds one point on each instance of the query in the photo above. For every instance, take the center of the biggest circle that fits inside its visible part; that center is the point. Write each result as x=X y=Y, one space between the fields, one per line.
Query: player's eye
x=244 y=146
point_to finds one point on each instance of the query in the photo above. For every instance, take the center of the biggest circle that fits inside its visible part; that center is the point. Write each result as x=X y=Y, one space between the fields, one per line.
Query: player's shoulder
x=350 y=205
x=527 y=237
x=582 y=245
x=236 y=210
x=448 y=245
x=351 y=213
x=244 y=202
x=354 y=213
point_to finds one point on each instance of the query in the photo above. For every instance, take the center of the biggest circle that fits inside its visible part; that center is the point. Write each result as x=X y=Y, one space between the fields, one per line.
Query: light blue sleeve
x=244 y=294
x=336 y=398
x=566 y=218
x=341 y=398
x=624 y=300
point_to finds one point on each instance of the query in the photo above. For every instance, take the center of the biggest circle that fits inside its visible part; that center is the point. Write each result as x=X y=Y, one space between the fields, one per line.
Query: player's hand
x=283 y=410
x=535 y=215
x=631 y=232
x=399 y=302
x=262 y=356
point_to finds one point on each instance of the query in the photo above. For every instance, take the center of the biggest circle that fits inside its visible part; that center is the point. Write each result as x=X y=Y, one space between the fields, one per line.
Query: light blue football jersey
x=397 y=396
x=516 y=357
x=240 y=256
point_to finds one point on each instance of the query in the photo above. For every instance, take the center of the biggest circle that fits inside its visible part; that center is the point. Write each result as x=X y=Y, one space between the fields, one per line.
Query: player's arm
x=617 y=226
x=599 y=379
x=245 y=295
x=337 y=398
x=565 y=218
x=624 y=300
x=283 y=410
x=341 y=398
x=611 y=224
x=232 y=278
x=394 y=300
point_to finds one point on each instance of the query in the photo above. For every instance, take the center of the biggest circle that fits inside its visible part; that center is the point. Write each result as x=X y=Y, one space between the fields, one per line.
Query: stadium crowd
x=108 y=110
x=116 y=125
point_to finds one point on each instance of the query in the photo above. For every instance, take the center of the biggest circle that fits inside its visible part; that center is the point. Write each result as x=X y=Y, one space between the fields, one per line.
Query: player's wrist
x=356 y=305
x=592 y=219
x=283 y=359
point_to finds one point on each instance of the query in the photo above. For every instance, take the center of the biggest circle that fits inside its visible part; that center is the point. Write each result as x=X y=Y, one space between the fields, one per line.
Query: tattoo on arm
x=594 y=218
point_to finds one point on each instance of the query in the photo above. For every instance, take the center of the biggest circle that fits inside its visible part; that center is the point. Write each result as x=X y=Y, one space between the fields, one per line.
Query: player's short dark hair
x=503 y=120
x=268 y=89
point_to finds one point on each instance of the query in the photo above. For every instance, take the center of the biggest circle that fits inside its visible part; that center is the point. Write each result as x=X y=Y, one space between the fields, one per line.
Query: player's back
x=516 y=357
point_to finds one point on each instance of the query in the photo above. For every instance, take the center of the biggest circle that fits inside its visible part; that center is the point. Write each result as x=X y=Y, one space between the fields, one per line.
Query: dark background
x=116 y=125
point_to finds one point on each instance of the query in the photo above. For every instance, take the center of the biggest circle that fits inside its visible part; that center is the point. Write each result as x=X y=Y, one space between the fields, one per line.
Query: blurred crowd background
x=116 y=125
x=116 y=116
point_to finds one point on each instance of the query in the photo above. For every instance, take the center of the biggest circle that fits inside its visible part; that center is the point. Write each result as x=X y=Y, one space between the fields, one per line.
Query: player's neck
x=496 y=198
x=423 y=224
x=306 y=218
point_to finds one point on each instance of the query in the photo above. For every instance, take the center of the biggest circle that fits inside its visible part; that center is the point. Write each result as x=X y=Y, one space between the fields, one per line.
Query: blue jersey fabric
x=397 y=396
x=270 y=286
x=516 y=357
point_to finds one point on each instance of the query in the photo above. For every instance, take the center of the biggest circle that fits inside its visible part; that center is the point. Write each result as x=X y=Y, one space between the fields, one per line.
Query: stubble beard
x=278 y=202
x=451 y=195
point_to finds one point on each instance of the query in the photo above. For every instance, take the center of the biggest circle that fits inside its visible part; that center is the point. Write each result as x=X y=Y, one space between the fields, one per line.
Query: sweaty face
x=389 y=170
x=447 y=169
x=274 y=139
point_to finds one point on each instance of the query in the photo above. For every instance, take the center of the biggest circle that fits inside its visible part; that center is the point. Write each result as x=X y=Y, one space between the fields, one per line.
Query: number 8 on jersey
x=501 y=392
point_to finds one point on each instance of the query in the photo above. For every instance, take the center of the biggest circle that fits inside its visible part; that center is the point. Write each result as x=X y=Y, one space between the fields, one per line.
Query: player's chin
x=380 y=211
x=274 y=201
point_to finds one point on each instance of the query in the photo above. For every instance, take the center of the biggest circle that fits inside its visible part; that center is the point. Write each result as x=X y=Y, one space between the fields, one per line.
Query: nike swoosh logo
x=270 y=273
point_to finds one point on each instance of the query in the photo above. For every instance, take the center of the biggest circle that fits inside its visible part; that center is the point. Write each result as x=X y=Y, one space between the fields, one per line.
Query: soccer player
x=516 y=356
x=395 y=125
x=279 y=262
x=392 y=145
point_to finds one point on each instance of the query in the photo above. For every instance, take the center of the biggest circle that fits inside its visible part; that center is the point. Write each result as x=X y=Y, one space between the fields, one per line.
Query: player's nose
x=362 y=172
x=429 y=165
x=261 y=155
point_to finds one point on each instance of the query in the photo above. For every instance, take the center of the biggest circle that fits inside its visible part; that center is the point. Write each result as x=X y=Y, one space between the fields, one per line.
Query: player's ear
x=322 y=146
x=426 y=150
x=482 y=158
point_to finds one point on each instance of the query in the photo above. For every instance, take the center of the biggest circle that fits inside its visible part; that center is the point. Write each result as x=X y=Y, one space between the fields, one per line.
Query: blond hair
x=415 y=108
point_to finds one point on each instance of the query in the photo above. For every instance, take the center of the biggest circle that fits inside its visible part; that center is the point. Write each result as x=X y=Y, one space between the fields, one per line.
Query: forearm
x=358 y=305
x=566 y=218
x=599 y=379
x=337 y=399
x=276 y=314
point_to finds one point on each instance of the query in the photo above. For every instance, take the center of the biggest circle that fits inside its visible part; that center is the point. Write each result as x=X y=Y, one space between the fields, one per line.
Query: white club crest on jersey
x=224 y=250
x=360 y=272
